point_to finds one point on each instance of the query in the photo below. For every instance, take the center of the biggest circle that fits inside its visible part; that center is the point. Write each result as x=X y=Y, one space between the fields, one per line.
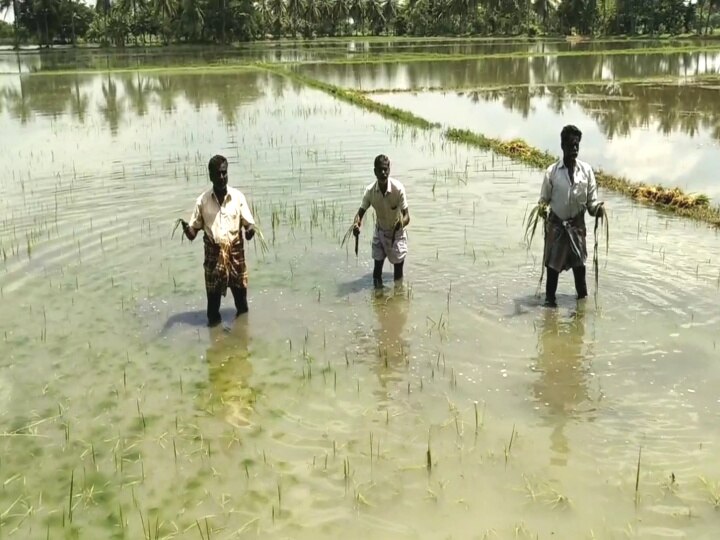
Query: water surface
x=499 y=72
x=663 y=134
x=313 y=417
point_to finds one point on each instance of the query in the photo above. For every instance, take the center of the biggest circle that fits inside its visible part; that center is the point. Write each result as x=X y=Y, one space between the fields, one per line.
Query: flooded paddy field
x=452 y=405
x=664 y=133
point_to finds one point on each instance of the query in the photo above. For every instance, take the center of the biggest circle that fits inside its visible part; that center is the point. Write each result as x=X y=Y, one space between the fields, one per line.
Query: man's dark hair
x=215 y=162
x=570 y=131
x=381 y=160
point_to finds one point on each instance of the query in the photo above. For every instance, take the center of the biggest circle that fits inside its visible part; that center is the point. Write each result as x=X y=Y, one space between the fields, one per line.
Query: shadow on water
x=563 y=365
x=229 y=372
x=532 y=303
x=355 y=286
x=365 y=283
x=196 y=318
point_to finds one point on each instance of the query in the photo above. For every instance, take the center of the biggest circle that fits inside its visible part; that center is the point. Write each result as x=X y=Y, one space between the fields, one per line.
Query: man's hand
x=600 y=210
x=398 y=225
x=190 y=233
x=356 y=228
x=249 y=232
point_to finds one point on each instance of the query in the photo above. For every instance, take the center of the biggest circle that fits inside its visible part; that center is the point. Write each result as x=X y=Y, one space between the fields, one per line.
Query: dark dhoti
x=565 y=242
x=224 y=266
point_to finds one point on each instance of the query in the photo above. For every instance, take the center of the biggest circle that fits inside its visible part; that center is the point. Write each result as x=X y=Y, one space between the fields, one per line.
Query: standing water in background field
x=454 y=405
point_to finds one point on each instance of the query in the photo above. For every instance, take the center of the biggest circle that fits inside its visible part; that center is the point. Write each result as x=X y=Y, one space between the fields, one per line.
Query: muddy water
x=317 y=415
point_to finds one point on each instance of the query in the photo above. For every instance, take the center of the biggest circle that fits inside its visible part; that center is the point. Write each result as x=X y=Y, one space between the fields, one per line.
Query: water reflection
x=112 y=106
x=562 y=385
x=36 y=61
x=116 y=96
x=229 y=372
x=619 y=109
x=515 y=71
x=391 y=307
x=40 y=60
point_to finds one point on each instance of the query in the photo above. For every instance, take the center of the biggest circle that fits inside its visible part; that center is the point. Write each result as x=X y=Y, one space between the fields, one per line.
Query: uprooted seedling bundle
x=540 y=212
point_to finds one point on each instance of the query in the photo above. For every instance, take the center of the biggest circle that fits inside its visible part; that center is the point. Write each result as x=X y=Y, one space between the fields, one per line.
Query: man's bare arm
x=190 y=233
x=357 y=223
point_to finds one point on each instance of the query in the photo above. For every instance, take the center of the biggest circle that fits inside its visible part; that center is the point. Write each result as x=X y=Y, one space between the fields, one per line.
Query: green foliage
x=6 y=31
x=121 y=22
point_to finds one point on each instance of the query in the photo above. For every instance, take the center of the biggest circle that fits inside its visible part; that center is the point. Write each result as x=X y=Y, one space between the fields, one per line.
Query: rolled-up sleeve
x=246 y=217
x=403 y=205
x=196 y=220
x=592 y=195
x=546 y=189
x=367 y=199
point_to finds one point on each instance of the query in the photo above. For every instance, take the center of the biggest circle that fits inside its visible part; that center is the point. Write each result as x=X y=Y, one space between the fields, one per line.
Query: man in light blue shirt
x=569 y=189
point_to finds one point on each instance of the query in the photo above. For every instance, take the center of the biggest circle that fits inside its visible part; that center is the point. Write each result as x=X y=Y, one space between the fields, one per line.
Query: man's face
x=571 y=147
x=219 y=178
x=382 y=172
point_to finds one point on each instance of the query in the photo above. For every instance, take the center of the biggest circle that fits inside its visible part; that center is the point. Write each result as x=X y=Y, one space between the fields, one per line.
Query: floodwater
x=316 y=416
x=667 y=134
x=509 y=71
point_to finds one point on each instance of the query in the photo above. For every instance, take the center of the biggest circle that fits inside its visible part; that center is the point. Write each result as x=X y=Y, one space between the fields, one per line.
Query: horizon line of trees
x=124 y=22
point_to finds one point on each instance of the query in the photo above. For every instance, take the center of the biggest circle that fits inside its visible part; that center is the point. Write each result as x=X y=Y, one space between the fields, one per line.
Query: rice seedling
x=508 y=448
x=637 y=477
x=428 y=454
x=264 y=249
x=538 y=212
x=602 y=218
x=713 y=491
x=347 y=235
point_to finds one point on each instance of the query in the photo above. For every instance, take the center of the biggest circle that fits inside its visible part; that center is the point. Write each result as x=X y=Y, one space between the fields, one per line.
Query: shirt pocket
x=580 y=191
x=231 y=219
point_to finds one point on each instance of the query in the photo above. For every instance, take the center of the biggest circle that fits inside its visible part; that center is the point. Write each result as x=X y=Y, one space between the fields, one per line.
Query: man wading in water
x=387 y=197
x=220 y=213
x=569 y=188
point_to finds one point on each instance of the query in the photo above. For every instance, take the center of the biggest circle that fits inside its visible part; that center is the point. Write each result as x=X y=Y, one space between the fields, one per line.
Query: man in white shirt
x=569 y=189
x=221 y=213
x=387 y=197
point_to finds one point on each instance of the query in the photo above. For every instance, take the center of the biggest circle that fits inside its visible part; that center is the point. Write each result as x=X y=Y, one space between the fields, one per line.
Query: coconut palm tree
x=389 y=11
x=5 y=6
x=373 y=12
x=294 y=14
x=340 y=12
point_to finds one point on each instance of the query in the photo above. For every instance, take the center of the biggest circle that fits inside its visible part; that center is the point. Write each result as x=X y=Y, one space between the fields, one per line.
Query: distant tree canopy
x=121 y=22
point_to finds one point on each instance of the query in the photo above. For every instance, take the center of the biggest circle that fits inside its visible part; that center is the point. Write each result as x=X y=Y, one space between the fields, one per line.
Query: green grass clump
x=516 y=149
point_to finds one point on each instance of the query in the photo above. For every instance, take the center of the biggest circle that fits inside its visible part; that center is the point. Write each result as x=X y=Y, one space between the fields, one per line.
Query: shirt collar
x=563 y=166
x=389 y=188
x=228 y=196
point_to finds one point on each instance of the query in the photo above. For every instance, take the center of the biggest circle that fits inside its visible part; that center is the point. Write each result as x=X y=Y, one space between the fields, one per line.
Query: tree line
x=125 y=22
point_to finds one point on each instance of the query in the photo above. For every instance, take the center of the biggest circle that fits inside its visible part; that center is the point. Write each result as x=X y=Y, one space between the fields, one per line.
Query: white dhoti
x=390 y=244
